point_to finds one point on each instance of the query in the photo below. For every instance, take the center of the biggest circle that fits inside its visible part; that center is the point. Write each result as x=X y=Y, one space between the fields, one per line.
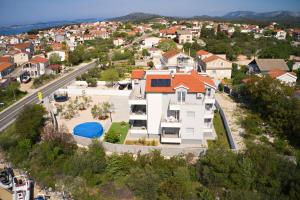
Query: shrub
x=112 y=137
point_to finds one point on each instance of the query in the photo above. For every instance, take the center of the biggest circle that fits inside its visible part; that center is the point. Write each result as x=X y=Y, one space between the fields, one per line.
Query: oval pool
x=89 y=130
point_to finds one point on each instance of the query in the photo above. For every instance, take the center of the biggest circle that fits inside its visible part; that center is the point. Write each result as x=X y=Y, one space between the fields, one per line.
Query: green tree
x=110 y=75
x=167 y=45
x=55 y=58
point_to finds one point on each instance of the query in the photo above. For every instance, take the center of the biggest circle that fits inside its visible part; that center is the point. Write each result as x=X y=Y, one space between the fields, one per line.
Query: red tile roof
x=171 y=53
x=4 y=65
x=277 y=73
x=193 y=81
x=202 y=52
x=7 y=59
x=137 y=74
x=212 y=58
x=38 y=59
x=22 y=46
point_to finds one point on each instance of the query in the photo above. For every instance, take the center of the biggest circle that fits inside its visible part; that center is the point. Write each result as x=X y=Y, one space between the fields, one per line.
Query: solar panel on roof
x=160 y=82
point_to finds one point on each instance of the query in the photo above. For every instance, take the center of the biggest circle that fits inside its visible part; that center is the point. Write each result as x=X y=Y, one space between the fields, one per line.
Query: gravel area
x=233 y=113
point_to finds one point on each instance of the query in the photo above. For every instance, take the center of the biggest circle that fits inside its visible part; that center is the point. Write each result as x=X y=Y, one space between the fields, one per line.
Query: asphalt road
x=9 y=115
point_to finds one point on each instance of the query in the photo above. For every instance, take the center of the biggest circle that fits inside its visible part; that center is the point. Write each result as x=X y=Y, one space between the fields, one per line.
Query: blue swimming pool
x=89 y=130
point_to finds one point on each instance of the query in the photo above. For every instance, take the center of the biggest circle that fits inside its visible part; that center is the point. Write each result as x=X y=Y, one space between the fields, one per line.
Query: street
x=9 y=115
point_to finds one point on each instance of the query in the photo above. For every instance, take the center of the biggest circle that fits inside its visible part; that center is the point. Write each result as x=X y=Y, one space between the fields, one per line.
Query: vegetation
x=110 y=75
x=222 y=141
x=10 y=94
x=246 y=44
x=117 y=132
x=102 y=111
x=167 y=45
x=42 y=80
x=52 y=159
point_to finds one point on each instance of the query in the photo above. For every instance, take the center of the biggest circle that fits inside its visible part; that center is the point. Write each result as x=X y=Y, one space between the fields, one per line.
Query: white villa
x=178 y=108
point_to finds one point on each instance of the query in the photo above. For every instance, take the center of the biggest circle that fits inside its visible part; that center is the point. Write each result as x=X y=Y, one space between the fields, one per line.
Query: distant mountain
x=137 y=16
x=285 y=17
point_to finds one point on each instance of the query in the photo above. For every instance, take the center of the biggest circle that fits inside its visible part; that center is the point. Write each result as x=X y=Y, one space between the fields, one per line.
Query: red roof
x=137 y=74
x=39 y=59
x=202 y=52
x=194 y=83
x=276 y=73
x=22 y=46
x=7 y=59
x=55 y=67
x=4 y=66
x=171 y=53
x=170 y=31
x=212 y=58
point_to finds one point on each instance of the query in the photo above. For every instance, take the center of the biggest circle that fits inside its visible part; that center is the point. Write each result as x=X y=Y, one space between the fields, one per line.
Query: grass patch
x=117 y=132
x=222 y=141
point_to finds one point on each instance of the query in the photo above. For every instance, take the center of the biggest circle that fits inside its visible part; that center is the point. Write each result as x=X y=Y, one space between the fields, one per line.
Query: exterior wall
x=149 y=42
x=185 y=38
x=219 y=69
x=296 y=66
x=154 y=112
x=287 y=79
x=21 y=58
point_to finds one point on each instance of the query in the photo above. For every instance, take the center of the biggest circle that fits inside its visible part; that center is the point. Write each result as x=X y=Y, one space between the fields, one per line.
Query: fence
x=228 y=131
x=165 y=151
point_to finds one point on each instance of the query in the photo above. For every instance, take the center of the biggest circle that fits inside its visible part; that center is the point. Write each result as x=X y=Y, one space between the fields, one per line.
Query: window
x=208 y=91
x=208 y=106
x=214 y=72
x=181 y=96
x=207 y=123
x=189 y=130
x=190 y=114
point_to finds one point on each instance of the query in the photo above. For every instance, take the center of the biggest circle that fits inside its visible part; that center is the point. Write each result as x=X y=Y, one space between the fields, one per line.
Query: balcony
x=137 y=96
x=170 y=136
x=138 y=127
x=170 y=122
x=138 y=115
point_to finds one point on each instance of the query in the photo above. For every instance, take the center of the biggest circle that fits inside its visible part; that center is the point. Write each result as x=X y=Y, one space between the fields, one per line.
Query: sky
x=32 y=11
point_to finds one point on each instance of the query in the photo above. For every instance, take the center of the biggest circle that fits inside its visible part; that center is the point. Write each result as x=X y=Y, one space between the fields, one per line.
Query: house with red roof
x=176 y=108
x=215 y=66
x=36 y=67
x=175 y=60
x=289 y=78
x=6 y=68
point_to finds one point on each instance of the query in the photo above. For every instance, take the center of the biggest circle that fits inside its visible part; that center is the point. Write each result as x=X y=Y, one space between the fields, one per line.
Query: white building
x=281 y=35
x=36 y=67
x=119 y=42
x=289 y=78
x=177 y=108
x=175 y=60
x=150 y=42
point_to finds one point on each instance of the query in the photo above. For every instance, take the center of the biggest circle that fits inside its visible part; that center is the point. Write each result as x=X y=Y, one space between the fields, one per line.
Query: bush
x=112 y=137
x=92 y=82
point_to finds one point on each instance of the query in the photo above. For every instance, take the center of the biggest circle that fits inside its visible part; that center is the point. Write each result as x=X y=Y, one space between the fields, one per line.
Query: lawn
x=222 y=141
x=119 y=128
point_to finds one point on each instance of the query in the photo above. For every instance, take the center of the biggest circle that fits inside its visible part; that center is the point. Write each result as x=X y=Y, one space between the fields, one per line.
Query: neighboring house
x=36 y=67
x=201 y=54
x=184 y=36
x=59 y=38
x=6 y=68
x=19 y=57
x=25 y=47
x=119 y=42
x=216 y=67
x=296 y=34
x=280 y=35
x=289 y=78
x=60 y=53
x=150 y=42
x=175 y=60
x=263 y=66
x=168 y=33
x=177 y=108
x=6 y=58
